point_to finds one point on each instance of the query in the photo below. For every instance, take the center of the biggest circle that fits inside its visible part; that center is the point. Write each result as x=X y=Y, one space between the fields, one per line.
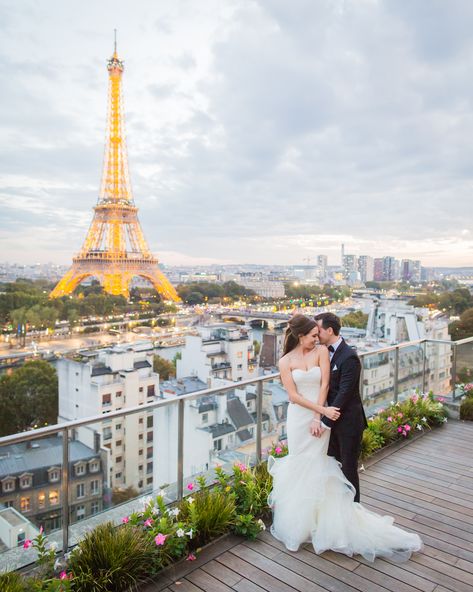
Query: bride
x=311 y=499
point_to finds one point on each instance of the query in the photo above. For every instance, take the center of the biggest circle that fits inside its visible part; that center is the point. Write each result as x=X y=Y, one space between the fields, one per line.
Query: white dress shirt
x=332 y=353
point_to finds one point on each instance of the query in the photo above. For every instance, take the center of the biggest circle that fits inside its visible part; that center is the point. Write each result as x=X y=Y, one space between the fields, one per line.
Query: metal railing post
x=180 y=449
x=259 y=420
x=396 y=374
x=454 y=369
x=424 y=366
x=65 y=490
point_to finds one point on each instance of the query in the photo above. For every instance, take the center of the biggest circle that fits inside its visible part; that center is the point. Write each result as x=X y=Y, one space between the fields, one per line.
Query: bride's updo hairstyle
x=298 y=325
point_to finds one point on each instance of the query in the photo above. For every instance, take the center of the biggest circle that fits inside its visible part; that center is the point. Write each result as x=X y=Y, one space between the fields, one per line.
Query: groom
x=344 y=392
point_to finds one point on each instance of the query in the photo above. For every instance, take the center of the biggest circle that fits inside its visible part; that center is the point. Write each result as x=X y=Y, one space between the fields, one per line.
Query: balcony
x=423 y=491
x=425 y=486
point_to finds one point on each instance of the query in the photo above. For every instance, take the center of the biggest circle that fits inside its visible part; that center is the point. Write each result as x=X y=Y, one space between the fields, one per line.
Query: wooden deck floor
x=427 y=486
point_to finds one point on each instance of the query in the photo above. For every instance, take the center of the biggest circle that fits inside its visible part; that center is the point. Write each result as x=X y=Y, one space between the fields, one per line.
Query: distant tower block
x=115 y=248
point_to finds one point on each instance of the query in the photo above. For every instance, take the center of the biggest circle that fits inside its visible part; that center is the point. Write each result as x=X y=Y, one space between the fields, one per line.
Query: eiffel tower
x=115 y=249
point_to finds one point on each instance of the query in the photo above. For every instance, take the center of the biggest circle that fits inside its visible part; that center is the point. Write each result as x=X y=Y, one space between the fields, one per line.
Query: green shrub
x=466 y=409
x=11 y=582
x=210 y=512
x=370 y=442
x=111 y=559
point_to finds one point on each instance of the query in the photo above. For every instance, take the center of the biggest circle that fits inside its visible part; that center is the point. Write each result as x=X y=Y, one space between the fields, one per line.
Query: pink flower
x=400 y=415
x=242 y=467
x=399 y=429
x=415 y=398
x=404 y=433
x=27 y=544
x=407 y=427
x=125 y=520
x=278 y=450
x=441 y=400
x=63 y=576
x=190 y=486
x=389 y=418
x=41 y=530
x=160 y=539
x=148 y=522
x=191 y=557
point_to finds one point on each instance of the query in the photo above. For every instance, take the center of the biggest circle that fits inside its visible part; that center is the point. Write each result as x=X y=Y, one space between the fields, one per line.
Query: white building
x=15 y=528
x=221 y=350
x=104 y=380
x=265 y=288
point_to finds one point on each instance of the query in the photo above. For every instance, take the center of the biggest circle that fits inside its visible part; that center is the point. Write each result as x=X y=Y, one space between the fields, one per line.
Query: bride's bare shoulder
x=284 y=362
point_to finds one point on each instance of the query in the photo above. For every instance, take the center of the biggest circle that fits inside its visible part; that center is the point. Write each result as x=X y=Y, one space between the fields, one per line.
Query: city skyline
x=242 y=120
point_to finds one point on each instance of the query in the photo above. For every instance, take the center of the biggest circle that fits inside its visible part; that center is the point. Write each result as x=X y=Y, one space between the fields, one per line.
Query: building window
x=149 y=437
x=80 y=490
x=140 y=467
x=9 y=504
x=118 y=443
x=118 y=476
x=94 y=508
x=239 y=354
x=8 y=485
x=80 y=469
x=218 y=444
x=239 y=366
x=53 y=497
x=149 y=421
x=25 y=504
x=149 y=481
x=205 y=417
x=20 y=539
x=94 y=487
x=149 y=468
x=149 y=452
x=140 y=420
x=41 y=499
x=118 y=426
x=141 y=389
x=107 y=399
x=151 y=391
x=80 y=513
x=119 y=459
x=94 y=466
x=107 y=433
x=140 y=452
x=140 y=436
x=25 y=481
x=118 y=394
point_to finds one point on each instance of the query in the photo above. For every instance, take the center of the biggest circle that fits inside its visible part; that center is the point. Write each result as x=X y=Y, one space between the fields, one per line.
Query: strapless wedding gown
x=312 y=501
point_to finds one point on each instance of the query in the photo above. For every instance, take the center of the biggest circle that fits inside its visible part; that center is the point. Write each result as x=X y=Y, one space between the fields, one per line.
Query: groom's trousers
x=346 y=449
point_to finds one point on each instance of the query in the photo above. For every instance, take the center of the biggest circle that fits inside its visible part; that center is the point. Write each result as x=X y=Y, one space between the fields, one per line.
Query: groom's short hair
x=329 y=320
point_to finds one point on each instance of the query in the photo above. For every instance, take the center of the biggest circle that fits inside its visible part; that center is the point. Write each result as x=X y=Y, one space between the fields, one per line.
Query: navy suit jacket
x=344 y=391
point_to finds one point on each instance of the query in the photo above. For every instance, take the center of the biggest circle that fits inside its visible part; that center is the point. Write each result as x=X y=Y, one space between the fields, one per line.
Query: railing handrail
x=57 y=428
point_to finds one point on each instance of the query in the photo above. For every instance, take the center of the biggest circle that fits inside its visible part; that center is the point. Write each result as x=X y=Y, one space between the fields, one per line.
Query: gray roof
x=244 y=435
x=101 y=370
x=183 y=386
x=47 y=452
x=278 y=393
x=220 y=429
x=141 y=364
x=238 y=413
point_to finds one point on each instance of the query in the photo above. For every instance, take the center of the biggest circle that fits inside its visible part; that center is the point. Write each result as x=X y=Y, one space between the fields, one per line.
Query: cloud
x=257 y=131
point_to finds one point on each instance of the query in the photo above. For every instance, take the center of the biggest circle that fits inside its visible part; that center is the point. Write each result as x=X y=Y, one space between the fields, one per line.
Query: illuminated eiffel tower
x=115 y=249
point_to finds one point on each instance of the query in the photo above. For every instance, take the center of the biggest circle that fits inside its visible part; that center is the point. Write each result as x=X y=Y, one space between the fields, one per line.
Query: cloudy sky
x=258 y=131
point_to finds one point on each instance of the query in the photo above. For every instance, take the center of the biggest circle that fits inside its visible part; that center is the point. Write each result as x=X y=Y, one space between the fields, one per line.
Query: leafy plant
x=370 y=442
x=466 y=409
x=111 y=559
x=210 y=512
x=11 y=582
x=248 y=525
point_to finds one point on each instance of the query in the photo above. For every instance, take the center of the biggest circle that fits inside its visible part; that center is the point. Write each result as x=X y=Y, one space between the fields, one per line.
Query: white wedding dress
x=312 y=501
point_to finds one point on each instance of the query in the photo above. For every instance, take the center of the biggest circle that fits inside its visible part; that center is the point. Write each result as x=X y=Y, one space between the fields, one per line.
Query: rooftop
x=425 y=485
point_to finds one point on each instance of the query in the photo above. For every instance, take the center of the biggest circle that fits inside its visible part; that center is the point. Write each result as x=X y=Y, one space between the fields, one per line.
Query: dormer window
x=94 y=466
x=80 y=469
x=53 y=474
x=26 y=480
x=8 y=484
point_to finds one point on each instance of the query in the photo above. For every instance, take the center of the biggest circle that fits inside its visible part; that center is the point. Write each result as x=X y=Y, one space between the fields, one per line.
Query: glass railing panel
x=378 y=380
x=438 y=372
x=127 y=464
x=464 y=366
x=275 y=406
x=30 y=498
x=410 y=378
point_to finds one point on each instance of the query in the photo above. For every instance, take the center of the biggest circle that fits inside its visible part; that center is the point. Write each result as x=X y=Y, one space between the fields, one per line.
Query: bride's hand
x=332 y=412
